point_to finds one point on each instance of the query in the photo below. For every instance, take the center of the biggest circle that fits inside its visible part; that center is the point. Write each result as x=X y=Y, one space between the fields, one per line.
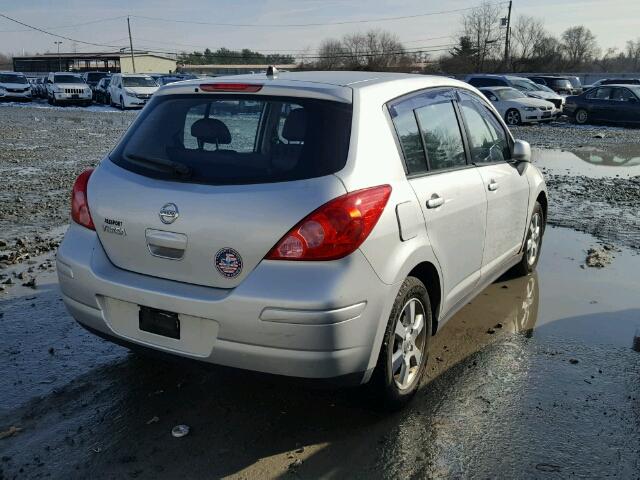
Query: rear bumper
x=287 y=318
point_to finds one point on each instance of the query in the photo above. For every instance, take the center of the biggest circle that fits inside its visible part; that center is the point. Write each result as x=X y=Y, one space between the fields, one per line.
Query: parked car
x=92 y=79
x=128 y=90
x=608 y=103
x=14 y=86
x=293 y=240
x=614 y=81
x=101 y=91
x=516 y=108
x=560 y=85
x=179 y=77
x=67 y=88
x=576 y=84
x=526 y=86
x=38 y=89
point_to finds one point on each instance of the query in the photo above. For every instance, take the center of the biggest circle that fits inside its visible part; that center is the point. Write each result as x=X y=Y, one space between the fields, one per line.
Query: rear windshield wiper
x=160 y=164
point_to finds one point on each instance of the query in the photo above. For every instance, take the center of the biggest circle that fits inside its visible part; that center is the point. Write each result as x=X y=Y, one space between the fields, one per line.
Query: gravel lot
x=533 y=379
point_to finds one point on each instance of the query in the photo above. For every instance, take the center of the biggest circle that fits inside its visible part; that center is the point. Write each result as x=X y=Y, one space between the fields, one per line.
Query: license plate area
x=159 y=322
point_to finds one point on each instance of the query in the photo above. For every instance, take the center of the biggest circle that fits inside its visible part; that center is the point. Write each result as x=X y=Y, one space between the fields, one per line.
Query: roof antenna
x=272 y=71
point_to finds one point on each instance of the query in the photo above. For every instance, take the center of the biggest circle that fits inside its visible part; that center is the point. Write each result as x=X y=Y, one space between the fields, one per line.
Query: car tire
x=512 y=117
x=532 y=244
x=581 y=116
x=122 y=107
x=398 y=372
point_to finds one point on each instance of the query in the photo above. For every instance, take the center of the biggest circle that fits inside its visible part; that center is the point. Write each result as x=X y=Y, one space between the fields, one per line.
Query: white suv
x=14 y=86
x=321 y=225
x=67 y=88
x=131 y=90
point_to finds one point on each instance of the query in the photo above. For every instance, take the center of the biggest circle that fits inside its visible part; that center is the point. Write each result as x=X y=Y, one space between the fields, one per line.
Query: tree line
x=225 y=56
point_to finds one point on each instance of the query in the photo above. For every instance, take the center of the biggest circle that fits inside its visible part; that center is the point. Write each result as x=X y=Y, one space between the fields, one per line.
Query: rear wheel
x=582 y=116
x=404 y=353
x=512 y=117
x=532 y=244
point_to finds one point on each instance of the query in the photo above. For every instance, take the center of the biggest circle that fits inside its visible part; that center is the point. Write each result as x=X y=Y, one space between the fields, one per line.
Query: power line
x=283 y=25
x=91 y=22
x=55 y=34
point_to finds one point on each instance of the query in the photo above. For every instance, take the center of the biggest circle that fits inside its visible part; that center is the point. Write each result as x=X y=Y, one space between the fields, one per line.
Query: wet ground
x=535 y=378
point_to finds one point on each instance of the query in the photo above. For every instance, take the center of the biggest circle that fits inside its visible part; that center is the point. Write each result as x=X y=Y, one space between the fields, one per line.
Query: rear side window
x=236 y=139
x=488 y=141
x=441 y=136
x=407 y=129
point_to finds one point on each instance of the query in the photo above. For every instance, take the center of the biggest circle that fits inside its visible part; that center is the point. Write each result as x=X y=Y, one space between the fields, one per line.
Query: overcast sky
x=612 y=21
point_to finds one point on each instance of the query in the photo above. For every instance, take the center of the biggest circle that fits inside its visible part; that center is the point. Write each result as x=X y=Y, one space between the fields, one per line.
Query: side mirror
x=633 y=100
x=521 y=151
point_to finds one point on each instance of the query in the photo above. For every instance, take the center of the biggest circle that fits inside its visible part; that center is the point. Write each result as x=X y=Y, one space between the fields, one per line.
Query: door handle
x=493 y=185
x=435 y=201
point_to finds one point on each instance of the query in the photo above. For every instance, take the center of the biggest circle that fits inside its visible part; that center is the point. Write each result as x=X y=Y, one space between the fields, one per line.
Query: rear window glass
x=236 y=139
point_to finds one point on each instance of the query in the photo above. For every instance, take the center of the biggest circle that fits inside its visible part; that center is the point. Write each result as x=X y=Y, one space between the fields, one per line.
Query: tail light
x=231 y=87
x=79 y=205
x=334 y=230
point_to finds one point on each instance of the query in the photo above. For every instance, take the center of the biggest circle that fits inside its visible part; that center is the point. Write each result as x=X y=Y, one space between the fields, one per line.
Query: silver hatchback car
x=321 y=225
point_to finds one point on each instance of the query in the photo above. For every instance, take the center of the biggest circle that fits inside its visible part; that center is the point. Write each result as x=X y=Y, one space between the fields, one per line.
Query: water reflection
x=504 y=308
x=612 y=157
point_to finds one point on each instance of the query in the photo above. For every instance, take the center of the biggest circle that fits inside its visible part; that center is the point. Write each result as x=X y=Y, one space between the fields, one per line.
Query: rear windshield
x=139 y=82
x=5 y=78
x=67 y=79
x=230 y=139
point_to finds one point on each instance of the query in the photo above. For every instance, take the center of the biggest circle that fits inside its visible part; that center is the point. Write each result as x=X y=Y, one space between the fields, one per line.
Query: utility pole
x=58 y=43
x=507 y=38
x=133 y=61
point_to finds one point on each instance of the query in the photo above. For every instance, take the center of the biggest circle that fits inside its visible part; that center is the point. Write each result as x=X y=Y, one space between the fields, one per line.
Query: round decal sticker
x=228 y=262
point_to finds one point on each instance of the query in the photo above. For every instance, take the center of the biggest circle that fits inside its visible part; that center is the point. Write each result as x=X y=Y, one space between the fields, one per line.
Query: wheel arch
x=428 y=274
x=544 y=203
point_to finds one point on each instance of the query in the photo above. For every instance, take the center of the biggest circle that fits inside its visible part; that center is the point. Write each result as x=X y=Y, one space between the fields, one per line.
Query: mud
x=535 y=378
x=552 y=390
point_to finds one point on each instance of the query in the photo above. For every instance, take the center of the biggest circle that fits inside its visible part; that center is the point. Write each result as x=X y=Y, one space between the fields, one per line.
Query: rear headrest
x=295 y=125
x=211 y=130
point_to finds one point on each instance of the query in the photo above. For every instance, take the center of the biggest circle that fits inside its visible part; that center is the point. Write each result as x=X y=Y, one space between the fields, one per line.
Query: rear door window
x=236 y=139
x=441 y=136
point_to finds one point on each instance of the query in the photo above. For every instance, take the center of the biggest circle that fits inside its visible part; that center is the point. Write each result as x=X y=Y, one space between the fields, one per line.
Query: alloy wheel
x=409 y=344
x=581 y=116
x=513 y=117
x=533 y=240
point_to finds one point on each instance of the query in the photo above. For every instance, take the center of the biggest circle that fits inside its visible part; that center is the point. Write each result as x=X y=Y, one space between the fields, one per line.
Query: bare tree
x=331 y=54
x=482 y=26
x=527 y=33
x=373 y=50
x=633 y=54
x=6 y=62
x=579 y=45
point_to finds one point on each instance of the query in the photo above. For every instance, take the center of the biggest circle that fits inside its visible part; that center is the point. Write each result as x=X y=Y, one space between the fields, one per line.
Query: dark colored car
x=101 y=91
x=576 y=84
x=560 y=85
x=606 y=104
x=92 y=79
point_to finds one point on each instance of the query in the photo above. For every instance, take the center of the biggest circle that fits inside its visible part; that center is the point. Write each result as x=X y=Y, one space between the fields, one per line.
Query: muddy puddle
x=614 y=161
x=536 y=376
x=595 y=190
